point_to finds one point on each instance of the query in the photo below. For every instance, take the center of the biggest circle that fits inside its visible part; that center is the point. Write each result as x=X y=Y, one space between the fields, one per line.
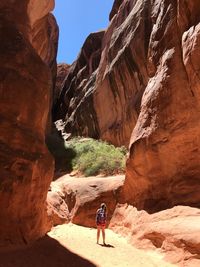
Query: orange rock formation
x=28 y=47
x=173 y=231
x=77 y=199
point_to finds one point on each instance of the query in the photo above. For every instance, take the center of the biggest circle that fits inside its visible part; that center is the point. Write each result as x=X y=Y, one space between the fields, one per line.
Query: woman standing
x=101 y=222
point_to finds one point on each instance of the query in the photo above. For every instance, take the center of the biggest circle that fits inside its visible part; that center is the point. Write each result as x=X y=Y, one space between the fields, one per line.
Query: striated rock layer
x=27 y=57
x=145 y=87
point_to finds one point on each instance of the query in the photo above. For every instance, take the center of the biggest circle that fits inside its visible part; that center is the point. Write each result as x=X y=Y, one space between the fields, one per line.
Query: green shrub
x=96 y=157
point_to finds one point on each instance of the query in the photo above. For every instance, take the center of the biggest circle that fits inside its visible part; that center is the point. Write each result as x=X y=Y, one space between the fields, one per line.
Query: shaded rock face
x=25 y=89
x=63 y=156
x=146 y=87
x=115 y=8
x=173 y=231
x=75 y=104
x=62 y=72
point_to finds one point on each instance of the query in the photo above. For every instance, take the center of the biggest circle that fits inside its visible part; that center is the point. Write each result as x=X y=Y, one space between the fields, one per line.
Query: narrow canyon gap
x=137 y=84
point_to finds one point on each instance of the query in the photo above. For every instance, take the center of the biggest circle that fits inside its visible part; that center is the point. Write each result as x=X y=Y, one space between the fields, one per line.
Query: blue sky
x=76 y=20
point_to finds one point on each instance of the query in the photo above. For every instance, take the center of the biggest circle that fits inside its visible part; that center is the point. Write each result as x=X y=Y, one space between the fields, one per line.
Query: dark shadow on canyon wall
x=63 y=156
x=43 y=253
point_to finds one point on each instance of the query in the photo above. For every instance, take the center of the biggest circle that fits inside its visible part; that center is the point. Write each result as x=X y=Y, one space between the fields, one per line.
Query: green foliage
x=96 y=157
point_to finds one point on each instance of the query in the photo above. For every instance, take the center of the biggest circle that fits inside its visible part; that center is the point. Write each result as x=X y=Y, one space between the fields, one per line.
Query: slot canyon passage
x=135 y=84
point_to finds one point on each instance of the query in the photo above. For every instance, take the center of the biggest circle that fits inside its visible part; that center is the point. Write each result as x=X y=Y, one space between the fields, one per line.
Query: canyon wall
x=163 y=167
x=144 y=92
x=28 y=50
x=75 y=103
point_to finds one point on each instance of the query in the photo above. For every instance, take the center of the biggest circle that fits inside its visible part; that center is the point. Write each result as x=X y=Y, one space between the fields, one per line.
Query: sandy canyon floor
x=70 y=245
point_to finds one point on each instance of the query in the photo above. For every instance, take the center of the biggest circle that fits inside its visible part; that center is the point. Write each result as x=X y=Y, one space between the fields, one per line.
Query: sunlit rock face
x=44 y=38
x=145 y=92
x=174 y=231
x=163 y=167
x=26 y=60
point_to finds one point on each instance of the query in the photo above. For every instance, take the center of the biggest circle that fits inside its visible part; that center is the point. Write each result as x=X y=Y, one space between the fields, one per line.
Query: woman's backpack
x=101 y=216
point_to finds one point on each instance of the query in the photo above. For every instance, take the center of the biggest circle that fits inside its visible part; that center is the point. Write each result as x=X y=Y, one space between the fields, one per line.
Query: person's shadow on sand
x=107 y=245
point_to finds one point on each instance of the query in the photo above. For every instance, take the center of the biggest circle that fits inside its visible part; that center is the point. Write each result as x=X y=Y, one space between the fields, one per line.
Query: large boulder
x=26 y=84
x=175 y=232
x=77 y=199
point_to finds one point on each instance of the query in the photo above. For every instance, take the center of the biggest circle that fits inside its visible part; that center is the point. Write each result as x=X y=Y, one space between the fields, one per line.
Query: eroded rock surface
x=57 y=209
x=77 y=199
x=163 y=167
x=27 y=56
x=173 y=231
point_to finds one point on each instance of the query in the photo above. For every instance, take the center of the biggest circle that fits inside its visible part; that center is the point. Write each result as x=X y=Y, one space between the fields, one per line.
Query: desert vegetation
x=93 y=157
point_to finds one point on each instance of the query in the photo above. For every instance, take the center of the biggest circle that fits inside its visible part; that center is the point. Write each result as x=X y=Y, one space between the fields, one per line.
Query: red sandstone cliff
x=163 y=167
x=28 y=49
x=145 y=87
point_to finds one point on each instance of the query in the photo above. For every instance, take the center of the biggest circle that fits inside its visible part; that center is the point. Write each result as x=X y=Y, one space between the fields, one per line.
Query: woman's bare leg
x=103 y=234
x=98 y=234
